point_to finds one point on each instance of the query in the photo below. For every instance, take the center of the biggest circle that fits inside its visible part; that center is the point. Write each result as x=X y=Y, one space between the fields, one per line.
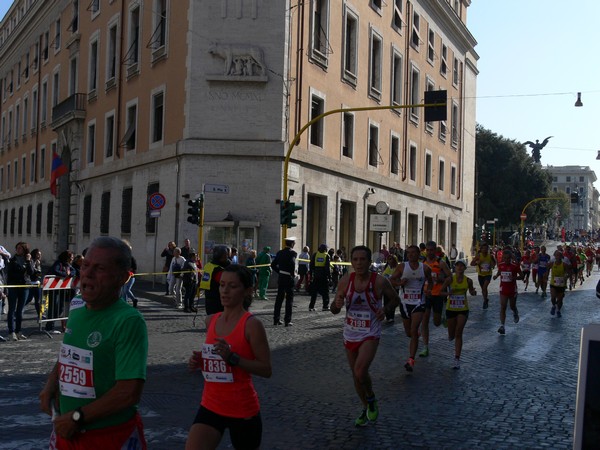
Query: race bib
x=76 y=372
x=485 y=267
x=456 y=301
x=559 y=281
x=506 y=277
x=359 y=321
x=525 y=266
x=412 y=296
x=213 y=367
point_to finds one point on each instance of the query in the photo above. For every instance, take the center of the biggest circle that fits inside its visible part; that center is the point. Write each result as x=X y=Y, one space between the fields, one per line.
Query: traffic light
x=574 y=197
x=287 y=216
x=440 y=111
x=194 y=211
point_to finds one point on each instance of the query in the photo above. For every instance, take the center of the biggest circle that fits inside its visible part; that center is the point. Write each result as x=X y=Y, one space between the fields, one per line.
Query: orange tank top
x=437 y=276
x=228 y=390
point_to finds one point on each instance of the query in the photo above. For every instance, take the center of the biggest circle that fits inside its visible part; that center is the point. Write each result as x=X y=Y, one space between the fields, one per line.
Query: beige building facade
x=182 y=98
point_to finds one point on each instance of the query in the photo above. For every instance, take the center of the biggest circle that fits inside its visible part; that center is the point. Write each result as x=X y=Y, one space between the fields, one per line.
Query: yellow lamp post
x=524 y=216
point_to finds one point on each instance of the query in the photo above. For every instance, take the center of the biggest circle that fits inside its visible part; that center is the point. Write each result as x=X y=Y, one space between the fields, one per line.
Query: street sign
x=154 y=213
x=523 y=216
x=216 y=188
x=380 y=222
x=157 y=201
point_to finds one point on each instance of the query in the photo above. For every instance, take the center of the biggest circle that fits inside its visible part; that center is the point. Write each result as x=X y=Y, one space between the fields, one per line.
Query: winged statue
x=536 y=148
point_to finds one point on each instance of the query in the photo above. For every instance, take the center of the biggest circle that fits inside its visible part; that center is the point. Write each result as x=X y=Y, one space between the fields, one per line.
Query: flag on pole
x=58 y=170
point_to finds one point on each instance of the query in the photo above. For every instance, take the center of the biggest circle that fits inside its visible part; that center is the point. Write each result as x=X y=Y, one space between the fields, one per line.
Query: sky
x=534 y=56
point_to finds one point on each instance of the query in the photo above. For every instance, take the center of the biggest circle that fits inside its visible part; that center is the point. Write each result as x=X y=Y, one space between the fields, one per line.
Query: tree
x=507 y=179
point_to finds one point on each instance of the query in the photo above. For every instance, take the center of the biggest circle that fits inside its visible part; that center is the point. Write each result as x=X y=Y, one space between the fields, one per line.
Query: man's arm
x=50 y=392
x=384 y=286
x=338 y=301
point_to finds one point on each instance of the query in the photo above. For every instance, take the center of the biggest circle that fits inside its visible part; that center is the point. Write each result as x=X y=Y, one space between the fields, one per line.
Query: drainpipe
x=406 y=91
x=299 y=66
x=120 y=82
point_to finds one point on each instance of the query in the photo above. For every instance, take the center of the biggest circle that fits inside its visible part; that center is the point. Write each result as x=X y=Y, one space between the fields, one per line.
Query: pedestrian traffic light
x=438 y=112
x=287 y=216
x=194 y=211
x=574 y=197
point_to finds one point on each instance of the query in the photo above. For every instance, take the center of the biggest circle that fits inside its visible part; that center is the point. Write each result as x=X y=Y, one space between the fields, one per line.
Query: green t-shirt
x=100 y=348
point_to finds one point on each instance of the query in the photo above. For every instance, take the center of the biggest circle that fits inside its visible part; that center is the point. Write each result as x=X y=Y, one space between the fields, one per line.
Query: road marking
x=538 y=346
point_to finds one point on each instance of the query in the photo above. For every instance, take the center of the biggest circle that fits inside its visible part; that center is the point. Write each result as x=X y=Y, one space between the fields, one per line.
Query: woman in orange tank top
x=236 y=347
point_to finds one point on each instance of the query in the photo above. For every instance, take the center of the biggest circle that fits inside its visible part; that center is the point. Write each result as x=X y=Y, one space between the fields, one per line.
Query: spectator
x=187 y=248
x=18 y=271
x=167 y=253
x=175 y=277
x=58 y=297
x=190 y=283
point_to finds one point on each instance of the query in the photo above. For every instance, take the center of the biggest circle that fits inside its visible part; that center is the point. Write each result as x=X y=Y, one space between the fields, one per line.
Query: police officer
x=320 y=274
x=285 y=265
x=211 y=279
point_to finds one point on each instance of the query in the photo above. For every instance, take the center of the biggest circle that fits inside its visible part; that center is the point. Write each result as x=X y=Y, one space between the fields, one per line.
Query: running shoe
x=362 y=420
x=516 y=316
x=525 y=288
x=444 y=320
x=372 y=410
x=390 y=320
x=544 y=295
x=558 y=313
x=553 y=310
x=409 y=364
x=22 y=337
x=456 y=365
x=13 y=336
x=501 y=330
x=425 y=352
x=486 y=303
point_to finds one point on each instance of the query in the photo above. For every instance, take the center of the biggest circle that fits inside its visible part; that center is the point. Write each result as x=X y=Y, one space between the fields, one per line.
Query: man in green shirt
x=101 y=369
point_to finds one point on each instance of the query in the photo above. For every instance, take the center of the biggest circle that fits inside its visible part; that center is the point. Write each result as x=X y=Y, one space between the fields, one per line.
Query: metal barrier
x=57 y=293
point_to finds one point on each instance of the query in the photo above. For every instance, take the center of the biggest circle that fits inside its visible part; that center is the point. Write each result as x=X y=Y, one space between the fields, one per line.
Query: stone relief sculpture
x=240 y=61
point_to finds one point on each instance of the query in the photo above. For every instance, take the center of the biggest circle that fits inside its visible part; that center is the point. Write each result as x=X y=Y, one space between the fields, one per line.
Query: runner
x=526 y=267
x=388 y=271
x=439 y=273
x=411 y=276
x=534 y=268
x=362 y=292
x=509 y=273
x=543 y=259
x=581 y=264
x=457 y=306
x=559 y=273
x=485 y=264
x=589 y=261
x=571 y=258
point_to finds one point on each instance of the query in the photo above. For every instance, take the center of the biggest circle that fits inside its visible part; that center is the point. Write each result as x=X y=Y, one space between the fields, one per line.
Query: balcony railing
x=72 y=107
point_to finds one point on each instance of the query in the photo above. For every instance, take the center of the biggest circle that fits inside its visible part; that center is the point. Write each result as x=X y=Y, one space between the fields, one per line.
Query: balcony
x=72 y=108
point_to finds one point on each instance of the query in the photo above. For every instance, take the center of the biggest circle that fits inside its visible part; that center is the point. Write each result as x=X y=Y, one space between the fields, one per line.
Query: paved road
x=513 y=391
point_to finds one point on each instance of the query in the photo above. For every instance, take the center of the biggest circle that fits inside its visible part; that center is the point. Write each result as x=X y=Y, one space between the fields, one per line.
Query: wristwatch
x=233 y=359
x=77 y=416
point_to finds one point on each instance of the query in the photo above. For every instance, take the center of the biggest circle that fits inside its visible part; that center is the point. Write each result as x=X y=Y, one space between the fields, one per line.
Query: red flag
x=58 y=170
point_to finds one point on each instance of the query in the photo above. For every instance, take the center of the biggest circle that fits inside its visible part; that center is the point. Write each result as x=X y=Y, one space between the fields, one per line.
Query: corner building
x=155 y=96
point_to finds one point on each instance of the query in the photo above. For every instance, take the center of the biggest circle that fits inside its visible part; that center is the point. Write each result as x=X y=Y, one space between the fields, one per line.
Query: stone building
x=140 y=97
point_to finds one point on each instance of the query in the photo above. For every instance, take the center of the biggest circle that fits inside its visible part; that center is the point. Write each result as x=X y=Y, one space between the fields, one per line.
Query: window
x=7 y=176
x=25 y=115
x=129 y=140
x=94 y=7
x=42 y=162
x=157 y=116
x=395 y=155
x=93 y=68
x=3 y=131
x=431 y=46
x=44 y=104
x=75 y=22
x=55 y=88
x=415 y=94
x=158 y=39
x=105 y=212
x=568 y=179
x=20 y=224
x=46 y=45
x=57 y=35
x=38 y=218
x=126 y=210
x=17 y=122
x=27 y=63
x=73 y=70
x=109 y=136
x=568 y=189
x=91 y=142
x=133 y=51
x=348 y=135
x=153 y=188
x=50 y=217
x=29 y=219
x=16 y=173
x=453 y=180
x=455 y=72
x=373 y=145
x=375 y=66
x=581 y=179
x=316 y=129
x=454 y=131
x=10 y=125
x=441 y=175
x=13 y=219
x=1 y=179
x=443 y=130
x=23 y=170
x=320 y=30
x=554 y=179
x=34 y=108
x=376 y=5
x=111 y=57
x=415 y=37
x=5 y=221
x=398 y=21
x=32 y=167
x=444 y=59
x=428 y=169
x=413 y=162
x=350 y=47
x=396 y=80
x=87 y=214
